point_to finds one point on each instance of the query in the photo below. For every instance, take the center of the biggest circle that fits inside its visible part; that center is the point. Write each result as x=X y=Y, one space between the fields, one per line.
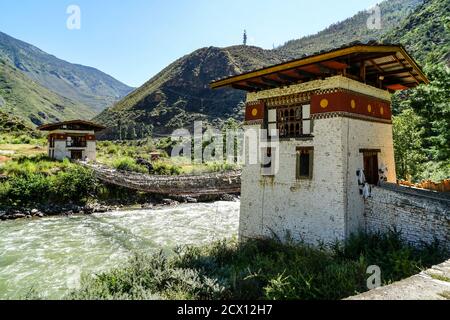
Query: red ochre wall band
x=254 y=111
x=331 y=103
x=351 y=103
x=63 y=137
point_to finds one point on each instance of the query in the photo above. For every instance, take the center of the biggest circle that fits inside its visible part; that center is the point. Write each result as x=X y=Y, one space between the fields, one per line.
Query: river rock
x=34 y=212
x=190 y=200
x=170 y=202
x=18 y=216
x=228 y=197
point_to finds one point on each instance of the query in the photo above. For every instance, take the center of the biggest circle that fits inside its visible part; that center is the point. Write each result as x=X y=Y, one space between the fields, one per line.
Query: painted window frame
x=291 y=121
x=298 y=166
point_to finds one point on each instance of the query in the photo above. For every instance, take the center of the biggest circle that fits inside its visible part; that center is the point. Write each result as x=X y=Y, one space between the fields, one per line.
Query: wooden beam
x=384 y=64
x=398 y=60
x=376 y=66
x=242 y=87
x=286 y=77
x=304 y=73
x=325 y=69
x=362 y=71
x=259 y=86
x=393 y=72
x=271 y=82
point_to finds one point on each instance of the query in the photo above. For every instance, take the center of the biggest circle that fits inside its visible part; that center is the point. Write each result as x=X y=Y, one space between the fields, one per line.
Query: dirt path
x=433 y=284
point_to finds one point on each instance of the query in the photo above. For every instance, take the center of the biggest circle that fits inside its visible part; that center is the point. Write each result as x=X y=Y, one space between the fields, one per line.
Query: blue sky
x=132 y=40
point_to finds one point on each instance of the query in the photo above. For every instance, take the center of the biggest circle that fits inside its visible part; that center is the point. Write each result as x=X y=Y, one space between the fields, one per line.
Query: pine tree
x=245 y=37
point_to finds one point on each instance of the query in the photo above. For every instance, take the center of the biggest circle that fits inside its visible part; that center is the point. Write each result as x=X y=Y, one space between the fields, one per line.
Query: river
x=48 y=256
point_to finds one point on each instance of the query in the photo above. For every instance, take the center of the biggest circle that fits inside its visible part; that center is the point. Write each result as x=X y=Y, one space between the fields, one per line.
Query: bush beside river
x=267 y=270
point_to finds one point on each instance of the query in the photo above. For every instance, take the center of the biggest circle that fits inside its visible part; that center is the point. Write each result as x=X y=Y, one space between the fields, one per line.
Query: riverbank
x=49 y=256
x=36 y=187
x=155 y=202
x=261 y=270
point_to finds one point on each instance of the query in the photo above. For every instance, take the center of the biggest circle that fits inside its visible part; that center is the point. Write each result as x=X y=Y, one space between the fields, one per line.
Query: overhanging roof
x=85 y=125
x=388 y=67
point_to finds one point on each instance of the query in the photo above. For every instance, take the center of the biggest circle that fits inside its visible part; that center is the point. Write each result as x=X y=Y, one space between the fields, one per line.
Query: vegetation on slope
x=352 y=29
x=422 y=114
x=266 y=270
x=180 y=94
x=31 y=102
x=421 y=128
x=426 y=32
x=13 y=125
x=85 y=85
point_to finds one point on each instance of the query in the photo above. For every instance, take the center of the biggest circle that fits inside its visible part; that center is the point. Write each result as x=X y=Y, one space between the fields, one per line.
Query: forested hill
x=425 y=32
x=393 y=12
x=180 y=93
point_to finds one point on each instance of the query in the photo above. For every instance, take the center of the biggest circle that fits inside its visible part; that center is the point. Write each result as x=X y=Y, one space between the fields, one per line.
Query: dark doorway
x=76 y=154
x=371 y=167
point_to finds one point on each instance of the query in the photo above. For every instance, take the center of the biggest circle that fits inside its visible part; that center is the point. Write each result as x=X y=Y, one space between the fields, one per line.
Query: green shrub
x=73 y=185
x=262 y=270
x=166 y=169
x=38 y=180
x=129 y=164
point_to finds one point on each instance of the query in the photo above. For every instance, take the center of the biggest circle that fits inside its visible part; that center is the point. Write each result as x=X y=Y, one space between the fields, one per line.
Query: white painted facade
x=329 y=207
x=62 y=151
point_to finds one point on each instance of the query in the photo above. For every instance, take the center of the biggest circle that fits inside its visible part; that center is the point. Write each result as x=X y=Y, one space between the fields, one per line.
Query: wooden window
x=51 y=141
x=305 y=163
x=292 y=121
x=371 y=166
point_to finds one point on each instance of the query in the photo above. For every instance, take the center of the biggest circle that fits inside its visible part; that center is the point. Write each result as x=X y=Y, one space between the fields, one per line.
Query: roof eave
x=319 y=58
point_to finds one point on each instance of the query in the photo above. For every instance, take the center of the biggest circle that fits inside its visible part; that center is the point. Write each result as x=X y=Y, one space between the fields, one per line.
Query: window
x=51 y=140
x=371 y=165
x=305 y=159
x=269 y=161
x=292 y=122
x=76 y=142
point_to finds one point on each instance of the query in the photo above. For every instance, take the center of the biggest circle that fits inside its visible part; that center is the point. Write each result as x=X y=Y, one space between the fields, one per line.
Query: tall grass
x=40 y=180
x=129 y=164
x=265 y=270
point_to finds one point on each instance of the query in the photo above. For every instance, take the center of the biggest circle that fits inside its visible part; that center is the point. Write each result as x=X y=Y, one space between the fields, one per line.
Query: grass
x=129 y=164
x=445 y=295
x=262 y=270
x=440 y=277
x=122 y=155
x=39 y=180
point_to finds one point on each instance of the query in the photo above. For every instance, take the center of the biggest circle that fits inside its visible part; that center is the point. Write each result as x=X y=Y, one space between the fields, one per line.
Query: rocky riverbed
x=49 y=256
x=50 y=210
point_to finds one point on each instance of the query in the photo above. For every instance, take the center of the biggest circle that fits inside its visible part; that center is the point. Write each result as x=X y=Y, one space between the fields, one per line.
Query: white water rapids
x=49 y=255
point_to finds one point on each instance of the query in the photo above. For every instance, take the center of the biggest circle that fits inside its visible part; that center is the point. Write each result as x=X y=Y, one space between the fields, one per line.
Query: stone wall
x=422 y=216
x=307 y=210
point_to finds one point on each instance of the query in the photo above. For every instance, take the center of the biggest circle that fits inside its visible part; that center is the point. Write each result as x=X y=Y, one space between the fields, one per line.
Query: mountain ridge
x=34 y=104
x=180 y=93
x=84 y=84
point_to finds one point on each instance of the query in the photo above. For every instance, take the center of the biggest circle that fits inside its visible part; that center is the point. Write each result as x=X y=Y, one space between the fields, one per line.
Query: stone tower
x=333 y=121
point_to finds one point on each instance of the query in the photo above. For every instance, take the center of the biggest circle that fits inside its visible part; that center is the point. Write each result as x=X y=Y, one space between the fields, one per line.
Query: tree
x=119 y=128
x=245 y=38
x=408 y=138
x=133 y=134
x=431 y=102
